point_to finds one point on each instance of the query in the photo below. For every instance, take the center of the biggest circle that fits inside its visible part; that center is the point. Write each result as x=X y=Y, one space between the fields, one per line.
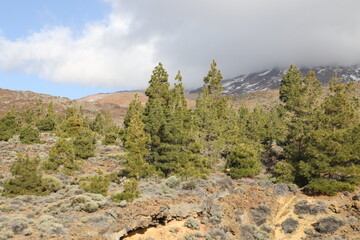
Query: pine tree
x=256 y=125
x=48 y=123
x=98 y=124
x=9 y=125
x=135 y=108
x=155 y=110
x=178 y=152
x=84 y=144
x=29 y=135
x=62 y=155
x=301 y=99
x=243 y=161
x=211 y=113
x=333 y=151
x=27 y=179
x=137 y=146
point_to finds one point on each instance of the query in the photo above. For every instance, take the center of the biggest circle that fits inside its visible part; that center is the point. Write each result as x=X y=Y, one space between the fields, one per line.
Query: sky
x=74 y=48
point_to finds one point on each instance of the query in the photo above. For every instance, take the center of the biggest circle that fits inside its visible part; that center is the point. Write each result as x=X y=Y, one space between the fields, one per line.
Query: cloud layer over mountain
x=242 y=35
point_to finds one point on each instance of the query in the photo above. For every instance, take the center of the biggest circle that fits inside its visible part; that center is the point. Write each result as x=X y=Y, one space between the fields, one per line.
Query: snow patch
x=321 y=70
x=264 y=73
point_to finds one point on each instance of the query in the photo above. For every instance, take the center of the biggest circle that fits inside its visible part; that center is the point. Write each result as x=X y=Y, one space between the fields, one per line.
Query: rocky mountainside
x=171 y=209
x=271 y=78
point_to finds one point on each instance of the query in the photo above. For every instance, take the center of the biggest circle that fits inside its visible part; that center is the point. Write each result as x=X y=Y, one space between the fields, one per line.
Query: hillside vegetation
x=220 y=169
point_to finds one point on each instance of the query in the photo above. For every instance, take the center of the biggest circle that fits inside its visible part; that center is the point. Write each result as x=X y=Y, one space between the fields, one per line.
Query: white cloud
x=242 y=35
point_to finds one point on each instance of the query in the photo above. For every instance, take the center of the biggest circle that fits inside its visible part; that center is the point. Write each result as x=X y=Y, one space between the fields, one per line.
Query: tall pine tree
x=178 y=152
x=212 y=111
x=156 y=107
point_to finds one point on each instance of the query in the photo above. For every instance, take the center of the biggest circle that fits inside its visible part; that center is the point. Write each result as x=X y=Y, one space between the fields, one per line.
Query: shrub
x=95 y=184
x=84 y=144
x=72 y=126
x=284 y=172
x=52 y=184
x=172 y=182
x=328 y=224
x=260 y=214
x=62 y=154
x=110 y=138
x=251 y=232
x=29 y=135
x=192 y=223
x=243 y=161
x=27 y=179
x=50 y=225
x=290 y=225
x=130 y=192
x=328 y=186
x=9 y=125
x=303 y=207
x=46 y=124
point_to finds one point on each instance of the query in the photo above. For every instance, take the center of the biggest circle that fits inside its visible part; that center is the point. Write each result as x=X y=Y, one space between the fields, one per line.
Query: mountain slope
x=271 y=78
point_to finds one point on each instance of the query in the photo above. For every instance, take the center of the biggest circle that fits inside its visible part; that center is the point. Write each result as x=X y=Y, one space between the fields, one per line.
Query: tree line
x=310 y=138
x=317 y=131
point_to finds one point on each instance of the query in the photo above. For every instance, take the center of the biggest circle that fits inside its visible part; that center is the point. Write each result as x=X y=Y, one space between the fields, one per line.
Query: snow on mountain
x=271 y=78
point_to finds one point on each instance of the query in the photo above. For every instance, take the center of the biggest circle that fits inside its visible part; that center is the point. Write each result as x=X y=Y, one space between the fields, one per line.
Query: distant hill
x=27 y=100
x=271 y=78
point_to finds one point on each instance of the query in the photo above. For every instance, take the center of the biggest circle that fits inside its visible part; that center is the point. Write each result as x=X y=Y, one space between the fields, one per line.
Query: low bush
x=130 y=192
x=192 y=223
x=284 y=172
x=328 y=186
x=173 y=182
x=27 y=179
x=290 y=225
x=260 y=214
x=84 y=144
x=243 y=162
x=9 y=126
x=329 y=224
x=304 y=207
x=110 y=139
x=29 y=135
x=62 y=154
x=95 y=183
x=52 y=184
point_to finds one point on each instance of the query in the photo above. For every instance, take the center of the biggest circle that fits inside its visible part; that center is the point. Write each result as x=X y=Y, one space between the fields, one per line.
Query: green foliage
x=137 y=145
x=135 y=107
x=52 y=184
x=62 y=155
x=72 y=126
x=155 y=110
x=130 y=192
x=212 y=115
x=48 y=123
x=29 y=135
x=27 y=179
x=9 y=126
x=256 y=123
x=98 y=184
x=284 y=172
x=110 y=138
x=243 y=161
x=84 y=144
x=98 y=124
x=322 y=142
x=192 y=223
x=328 y=186
x=178 y=152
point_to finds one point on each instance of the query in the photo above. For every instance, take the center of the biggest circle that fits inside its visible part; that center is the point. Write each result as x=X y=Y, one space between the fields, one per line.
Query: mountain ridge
x=270 y=79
